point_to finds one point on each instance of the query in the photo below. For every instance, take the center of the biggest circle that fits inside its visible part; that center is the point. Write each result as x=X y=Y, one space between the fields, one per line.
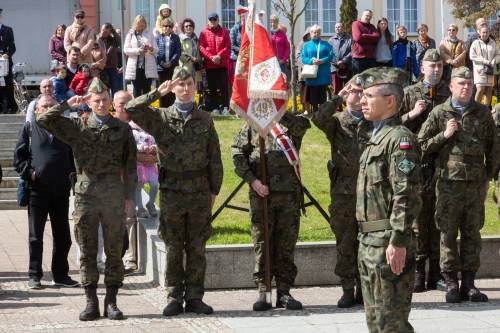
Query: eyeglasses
x=80 y=17
x=188 y=26
x=368 y=95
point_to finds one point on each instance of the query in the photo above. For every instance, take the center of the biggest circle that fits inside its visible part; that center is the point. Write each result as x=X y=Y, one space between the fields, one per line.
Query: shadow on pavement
x=25 y=305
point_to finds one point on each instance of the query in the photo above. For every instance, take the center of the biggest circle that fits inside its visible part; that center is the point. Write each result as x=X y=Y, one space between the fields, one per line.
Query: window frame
x=320 y=18
x=420 y=16
x=153 y=11
x=219 y=12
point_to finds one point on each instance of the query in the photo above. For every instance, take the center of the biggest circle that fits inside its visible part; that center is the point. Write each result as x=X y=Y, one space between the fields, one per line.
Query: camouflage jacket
x=188 y=151
x=105 y=157
x=348 y=139
x=246 y=155
x=472 y=153
x=419 y=91
x=388 y=186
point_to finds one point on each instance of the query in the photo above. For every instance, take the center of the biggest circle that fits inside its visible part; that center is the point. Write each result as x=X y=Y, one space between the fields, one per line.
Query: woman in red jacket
x=215 y=46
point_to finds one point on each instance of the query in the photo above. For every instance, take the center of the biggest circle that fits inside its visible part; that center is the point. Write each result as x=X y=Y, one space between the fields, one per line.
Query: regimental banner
x=257 y=68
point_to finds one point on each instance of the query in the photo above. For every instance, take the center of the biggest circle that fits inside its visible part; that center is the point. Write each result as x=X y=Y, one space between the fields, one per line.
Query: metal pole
x=122 y=38
x=265 y=221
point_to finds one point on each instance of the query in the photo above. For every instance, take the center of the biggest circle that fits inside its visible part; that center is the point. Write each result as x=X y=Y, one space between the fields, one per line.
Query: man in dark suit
x=7 y=49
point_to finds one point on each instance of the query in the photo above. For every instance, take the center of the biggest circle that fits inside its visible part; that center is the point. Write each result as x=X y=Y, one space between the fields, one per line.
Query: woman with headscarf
x=164 y=12
x=80 y=35
x=140 y=47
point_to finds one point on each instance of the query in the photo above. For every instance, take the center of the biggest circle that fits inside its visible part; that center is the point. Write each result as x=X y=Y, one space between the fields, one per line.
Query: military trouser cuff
x=113 y=285
x=194 y=293
x=281 y=286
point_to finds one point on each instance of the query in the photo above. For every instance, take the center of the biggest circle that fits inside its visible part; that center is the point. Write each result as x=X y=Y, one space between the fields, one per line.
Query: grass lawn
x=233 y=227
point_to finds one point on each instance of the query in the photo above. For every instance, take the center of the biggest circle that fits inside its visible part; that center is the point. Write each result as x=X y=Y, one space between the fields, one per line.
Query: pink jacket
x=281 y=46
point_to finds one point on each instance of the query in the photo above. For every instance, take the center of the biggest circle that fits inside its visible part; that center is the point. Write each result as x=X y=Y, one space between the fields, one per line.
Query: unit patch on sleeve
x=406 y=166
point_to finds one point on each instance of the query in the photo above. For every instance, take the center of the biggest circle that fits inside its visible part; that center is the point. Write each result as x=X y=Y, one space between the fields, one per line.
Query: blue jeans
x=153 y=191
x=115 y=80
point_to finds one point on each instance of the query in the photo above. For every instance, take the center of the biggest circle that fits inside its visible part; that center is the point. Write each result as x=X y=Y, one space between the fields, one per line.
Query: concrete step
x=11 y=126
x=12 y=118
x=6 y=161
x=9 y=205
x=8 y=135
x=8 y=144
x=9 y=171
x=9 y=182
x=8 y=193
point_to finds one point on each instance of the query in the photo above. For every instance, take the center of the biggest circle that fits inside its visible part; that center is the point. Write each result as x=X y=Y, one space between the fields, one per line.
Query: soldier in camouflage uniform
x=388 y=204
x=348 y=133
x=190 y=177
x=105 y=158
x=285 y=199
x=418 y=102
x=463 y=134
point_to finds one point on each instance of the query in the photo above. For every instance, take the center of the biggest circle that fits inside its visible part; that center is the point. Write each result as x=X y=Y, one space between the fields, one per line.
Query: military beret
x=181 y=73
x=356 y=79
x=432 y=55
x=383 y=75
x=97 y=86
x=461 y=72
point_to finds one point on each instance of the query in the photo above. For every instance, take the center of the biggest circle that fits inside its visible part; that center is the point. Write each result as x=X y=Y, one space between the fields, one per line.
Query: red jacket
x=79 y=84
x=215 y=42
x=364 y=40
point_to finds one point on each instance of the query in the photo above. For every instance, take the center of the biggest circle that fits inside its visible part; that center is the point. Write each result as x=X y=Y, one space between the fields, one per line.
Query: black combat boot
x=197 y=306
x=111 y=310
x=468 y=291
x=452 y=293
x=173 y=308
x=261 y=304
x=419 y=285
x=347 y=299
x=358 y=298
x=434 y=278
x=91 y=311
x=285 y=300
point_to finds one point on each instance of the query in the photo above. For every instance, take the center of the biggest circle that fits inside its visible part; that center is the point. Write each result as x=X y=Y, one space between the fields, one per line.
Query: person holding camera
x=485 y=56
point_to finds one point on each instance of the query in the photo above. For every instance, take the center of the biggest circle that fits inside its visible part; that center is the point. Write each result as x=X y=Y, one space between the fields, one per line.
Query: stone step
x=8 y=135
x=8 y=193
x=9 y=182
x=9 y=171
x=10 y=205
x=6 y=161
x=12 y=118
x=11 y=126
x=8 y=144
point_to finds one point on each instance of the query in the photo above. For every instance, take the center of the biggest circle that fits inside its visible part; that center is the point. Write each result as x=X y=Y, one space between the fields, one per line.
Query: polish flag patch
x=404 y=144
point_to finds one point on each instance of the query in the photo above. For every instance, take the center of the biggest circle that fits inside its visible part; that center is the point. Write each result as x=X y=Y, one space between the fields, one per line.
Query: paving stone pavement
x=54 y=309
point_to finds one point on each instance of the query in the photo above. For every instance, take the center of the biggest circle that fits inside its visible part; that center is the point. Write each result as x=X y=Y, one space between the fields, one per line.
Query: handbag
x=487 y=69
x=23 y=186
x=310 y=71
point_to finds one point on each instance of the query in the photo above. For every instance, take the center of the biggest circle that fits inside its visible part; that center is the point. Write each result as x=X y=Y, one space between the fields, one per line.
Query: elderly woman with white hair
x=318 y=53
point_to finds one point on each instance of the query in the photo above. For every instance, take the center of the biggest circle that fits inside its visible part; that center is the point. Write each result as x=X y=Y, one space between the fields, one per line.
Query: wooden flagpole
x=265 y=220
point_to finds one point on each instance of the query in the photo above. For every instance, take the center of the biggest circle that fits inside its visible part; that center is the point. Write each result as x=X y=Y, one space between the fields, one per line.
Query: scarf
x=424 y=41
x=459 y=106
x=453 y=40
x=378 y=125
x=357 y=116
x=76 y=31
x=184 y=109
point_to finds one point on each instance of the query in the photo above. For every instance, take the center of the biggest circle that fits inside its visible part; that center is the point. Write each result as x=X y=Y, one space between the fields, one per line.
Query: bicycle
x=21 y=94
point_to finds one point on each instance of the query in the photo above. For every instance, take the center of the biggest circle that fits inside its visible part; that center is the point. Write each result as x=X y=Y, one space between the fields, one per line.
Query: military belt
x=378 y=225
x=186 y=175
x=471 y=159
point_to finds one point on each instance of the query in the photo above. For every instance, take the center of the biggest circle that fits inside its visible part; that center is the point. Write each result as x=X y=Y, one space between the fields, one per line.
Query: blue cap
x=213 y=16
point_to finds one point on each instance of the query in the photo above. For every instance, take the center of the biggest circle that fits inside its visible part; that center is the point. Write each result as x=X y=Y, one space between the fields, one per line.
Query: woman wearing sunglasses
x=80 y=35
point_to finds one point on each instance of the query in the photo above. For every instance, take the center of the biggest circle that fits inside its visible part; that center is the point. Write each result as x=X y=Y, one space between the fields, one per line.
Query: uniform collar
x=389 y=125
x=449 y=108
x=111 y=123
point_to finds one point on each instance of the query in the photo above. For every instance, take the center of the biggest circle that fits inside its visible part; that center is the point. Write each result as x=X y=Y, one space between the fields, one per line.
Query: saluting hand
x=167 y=86
x=77 y=100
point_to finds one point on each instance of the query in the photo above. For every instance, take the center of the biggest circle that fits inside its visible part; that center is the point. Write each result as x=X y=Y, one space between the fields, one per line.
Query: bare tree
x=289 y=10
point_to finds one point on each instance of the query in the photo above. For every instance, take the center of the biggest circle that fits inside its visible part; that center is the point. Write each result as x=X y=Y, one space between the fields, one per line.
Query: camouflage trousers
x=90 y=211
x=387 y=297
x=344 y=226
x=185 y=227
x=284 y=222
x=460 y=207
x=427 y=233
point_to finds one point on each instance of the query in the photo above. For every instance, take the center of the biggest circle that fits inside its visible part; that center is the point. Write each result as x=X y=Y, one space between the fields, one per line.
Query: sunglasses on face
x=80 y=16
x=188 y=26
x=213 y=19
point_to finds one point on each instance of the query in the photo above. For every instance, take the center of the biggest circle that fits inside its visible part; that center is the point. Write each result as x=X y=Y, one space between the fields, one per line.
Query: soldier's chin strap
x=292 y=155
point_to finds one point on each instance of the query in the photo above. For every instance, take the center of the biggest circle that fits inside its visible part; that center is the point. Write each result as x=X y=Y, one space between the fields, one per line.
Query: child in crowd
x=80 y=82
x=147 y=171
x=61 y=91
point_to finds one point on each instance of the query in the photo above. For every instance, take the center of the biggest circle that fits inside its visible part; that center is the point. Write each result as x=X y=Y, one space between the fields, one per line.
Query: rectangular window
x=322 y=12
x=402 y=12
x=228 y=12
x=148 y=9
